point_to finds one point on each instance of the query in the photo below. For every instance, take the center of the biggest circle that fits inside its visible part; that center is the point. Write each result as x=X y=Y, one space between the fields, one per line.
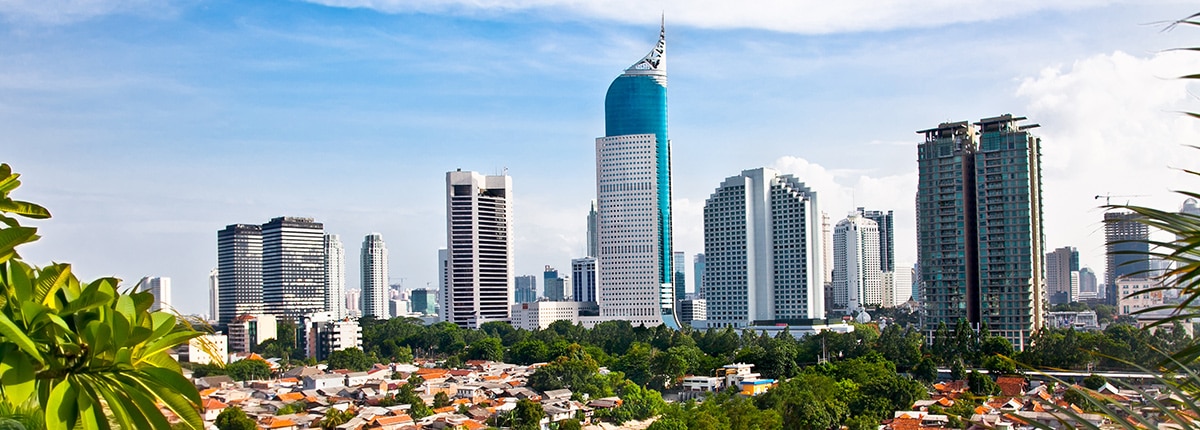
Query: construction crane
x=1108 y=197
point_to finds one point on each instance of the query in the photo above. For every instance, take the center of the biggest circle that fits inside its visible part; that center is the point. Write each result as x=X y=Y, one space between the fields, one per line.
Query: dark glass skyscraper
x=239 y=271
x=293 y=267
x=633 y=187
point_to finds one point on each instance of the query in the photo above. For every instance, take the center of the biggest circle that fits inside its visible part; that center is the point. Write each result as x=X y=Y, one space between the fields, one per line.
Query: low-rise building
x=539 y=315
x=206 y=349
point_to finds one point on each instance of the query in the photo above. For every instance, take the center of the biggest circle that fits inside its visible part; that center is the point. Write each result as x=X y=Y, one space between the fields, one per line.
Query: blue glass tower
x=634 y=195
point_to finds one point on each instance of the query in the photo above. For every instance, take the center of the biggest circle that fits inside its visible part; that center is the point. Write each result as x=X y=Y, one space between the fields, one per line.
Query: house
x=555 y=395
x=355 y=379
x=701 y=383
x=211 y=408
x=389 y=422
x=324 y=382
x=1012 y=386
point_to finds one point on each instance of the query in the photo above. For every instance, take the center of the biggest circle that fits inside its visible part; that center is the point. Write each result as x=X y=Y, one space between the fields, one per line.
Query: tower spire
x=655 y=62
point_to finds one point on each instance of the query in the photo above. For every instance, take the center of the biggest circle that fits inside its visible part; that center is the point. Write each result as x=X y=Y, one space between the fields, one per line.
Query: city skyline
x=230 y=107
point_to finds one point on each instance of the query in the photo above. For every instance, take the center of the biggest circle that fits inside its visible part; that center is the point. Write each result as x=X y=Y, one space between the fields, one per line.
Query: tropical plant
x=88 y=354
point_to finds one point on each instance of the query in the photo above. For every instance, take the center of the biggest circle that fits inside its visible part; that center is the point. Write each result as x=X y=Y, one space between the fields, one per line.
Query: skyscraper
x=762 y=242
x=679 y=262
x=887 y=240
x=214 y=295
x=443 y=282
x=424 y=301
x=556 y=287
x=161 y=289
x=633 y=187
x=1126 y=250
x=478 y=236
x=1060 y=264
x=583 y=279
x=857 y=280
x=335 y=276
x=698 y=275
x=827 y=253
x=593 y=232
x=374 y=257
x=293 y=267
x=239 y=271
x=526 y=289
x=1088 y=288
x=979 y=227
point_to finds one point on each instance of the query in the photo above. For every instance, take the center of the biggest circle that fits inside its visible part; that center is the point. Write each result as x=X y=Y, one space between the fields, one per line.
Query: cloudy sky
x=147 y=126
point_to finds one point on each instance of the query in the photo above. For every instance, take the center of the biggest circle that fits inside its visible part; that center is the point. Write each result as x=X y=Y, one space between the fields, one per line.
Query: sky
x=147 y=126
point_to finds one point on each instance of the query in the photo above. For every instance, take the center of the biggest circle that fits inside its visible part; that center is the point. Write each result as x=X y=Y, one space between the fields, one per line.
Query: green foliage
x=291 y=408
x=981 y=385
x=1094 y=382
x=441 y=400
x=664 y=424
x=527 y=415
x=247 y=370
x=89 y=352
x=233 y=418
x=575 y=425
x=638 y=404
x=335 y=417
x=488 y=348
x=925 y=371
x=353 y=359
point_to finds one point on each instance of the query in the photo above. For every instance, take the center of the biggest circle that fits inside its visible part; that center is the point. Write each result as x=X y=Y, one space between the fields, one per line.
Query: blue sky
x=146 y=127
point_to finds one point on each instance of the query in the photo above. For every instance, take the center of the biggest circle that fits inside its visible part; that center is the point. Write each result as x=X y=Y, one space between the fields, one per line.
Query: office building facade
x=1126 y=250
x=239 y=271
x=979 y=227
x=762 y=247
x=214 y=294
x=679 y=262
x=293 y=267
x=633 y=187
x=335 y=276
x=374 y=277
x=583 y=280
x=1061 y=263
x=424 y=301
x=526 y=289
x=479 y=239
x=884 y=221
x=556 y=287
x=857 y=280
x=593 y=232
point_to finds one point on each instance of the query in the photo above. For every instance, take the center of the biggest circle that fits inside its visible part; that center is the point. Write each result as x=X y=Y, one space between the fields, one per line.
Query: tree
x=981 y=385
x=575 y=425
x=91 y=352
x=925 y=371
x=248 y=369
x=527 y=415
x=441 y=400
x=957 y=370
x=352 y=359
x=665 y=424
x=233 y=418
x=1094 y=382
x=488 y=348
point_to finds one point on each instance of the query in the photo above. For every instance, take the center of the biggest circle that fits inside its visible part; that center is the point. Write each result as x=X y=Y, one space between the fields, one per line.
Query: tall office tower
x=374 y=267
x=979 y=227
x=239 y=271
x=679 y=262
x=443 y=282
x=1060 y=263
x=1088 y=288
x=214 y=295
x=1126 y=250
x=827 y=250
x=335 y=276
x=556 y=287
x=526 y=289
x=698 y=275
x=293 y=267
x=761 y=242
x=478 y=234
x=897 y=287
x=857 y=280
x=887 y=240
x=633 y=187
x=354 y=303
x=583 y=279
x=161 y=289
x=593 y=232
x=424 y=301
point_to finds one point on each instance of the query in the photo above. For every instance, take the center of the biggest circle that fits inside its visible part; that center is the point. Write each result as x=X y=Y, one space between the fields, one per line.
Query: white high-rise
x=857 y=280
x=335 y=276
x=897 y=286
x=214 y=294
x=479 y=284
x=374 y=277
x=161 y=289
x=762 y=251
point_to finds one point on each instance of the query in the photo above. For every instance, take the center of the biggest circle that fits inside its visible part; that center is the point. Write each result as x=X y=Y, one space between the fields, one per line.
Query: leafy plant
x=86 y=353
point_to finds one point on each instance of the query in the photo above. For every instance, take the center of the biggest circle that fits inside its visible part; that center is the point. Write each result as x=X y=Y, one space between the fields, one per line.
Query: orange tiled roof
x=461 y=401
x=905 y=423
x=210 y=404
x=293 y=380
x=389 y=420
x=472 y=425
x=945 y=402
x=1011 y=385
x=275 y=423
x=444 y=410
x=207 y=392
x=291 y=397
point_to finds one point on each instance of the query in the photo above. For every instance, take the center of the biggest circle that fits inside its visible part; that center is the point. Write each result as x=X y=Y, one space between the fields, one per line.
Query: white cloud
x=777 y=15
x=1111 y=125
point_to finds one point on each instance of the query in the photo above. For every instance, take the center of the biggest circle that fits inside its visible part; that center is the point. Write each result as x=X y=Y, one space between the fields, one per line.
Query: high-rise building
x=887 y=240
x=857 y=280
x=320 y=334
x=354 y=303
x=1060 y=264
x=161 y=289
x=526 y=289
x=239 y=271
x=583 y=279
x=762 y=243
x=979 y=227
x=443 y=282
x=679 y=262
x=293 y=267
x=374 y=258
x=424 y=301
x=1089 y=289
x=633 y=187
x=593 y=232
x=897 y=286
x=1126 y=250
x=827 y=253
x=214 y=294
x=479 y=239
x=556 y=287
x=335 y=276
x=698 y=275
